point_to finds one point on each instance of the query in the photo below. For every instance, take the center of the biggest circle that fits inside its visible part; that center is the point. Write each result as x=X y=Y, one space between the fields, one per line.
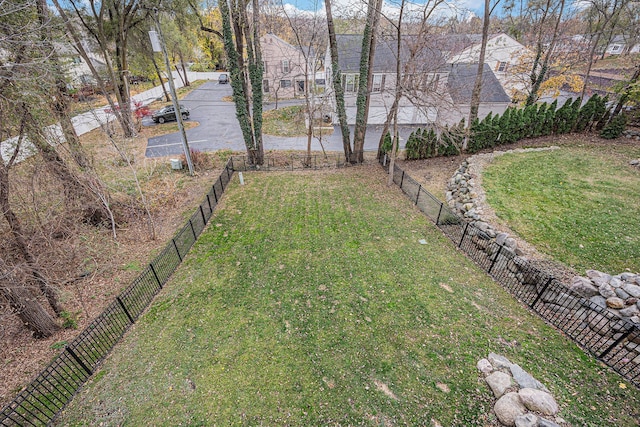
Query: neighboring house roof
x=350 y=46
x=462 y=78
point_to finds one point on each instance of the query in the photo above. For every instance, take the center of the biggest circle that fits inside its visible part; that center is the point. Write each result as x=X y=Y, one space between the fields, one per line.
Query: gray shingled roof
x=350 y=45
x=462 y=78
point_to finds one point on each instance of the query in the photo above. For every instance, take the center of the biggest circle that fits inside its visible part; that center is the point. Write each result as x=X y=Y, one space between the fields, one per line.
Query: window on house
x=501 y=67
x=378 y=82
x=615 y=48
x=264 y=66
x=265 y=86
x=350 y=82
x=285 y=83
x=285 y=65
x=300 y=84
x=77 y=60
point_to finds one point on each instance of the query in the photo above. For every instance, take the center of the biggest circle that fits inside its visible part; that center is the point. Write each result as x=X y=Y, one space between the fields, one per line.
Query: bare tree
x=246 y=79
x=477 y=88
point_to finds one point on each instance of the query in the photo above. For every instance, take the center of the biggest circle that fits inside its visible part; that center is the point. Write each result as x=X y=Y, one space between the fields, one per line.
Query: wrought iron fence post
x=214 y=191
x=227 y=168
x=495 y=259
x=209 y=203
x=401 y=180
x=231 y=160
x=153 y=270
x=177 y=251
x=193 y=230
x=204 y=220
x=418 y=195
x=544 y=288
x=124 y=309
x=80 y=362
x=464 y=232
x=615 y=344
x=439 y=212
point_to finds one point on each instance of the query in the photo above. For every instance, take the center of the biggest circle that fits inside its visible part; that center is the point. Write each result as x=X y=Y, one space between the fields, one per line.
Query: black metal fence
x=54 y=387
x=290 y=161
x=611 y=339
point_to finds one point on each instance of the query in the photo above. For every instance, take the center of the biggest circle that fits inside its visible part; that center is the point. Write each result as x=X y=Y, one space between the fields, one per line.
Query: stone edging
x=620 y=294
x=522 y=401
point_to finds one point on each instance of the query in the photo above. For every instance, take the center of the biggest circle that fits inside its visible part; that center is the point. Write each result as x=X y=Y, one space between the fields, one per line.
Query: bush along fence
x=515 y=124
x=610 y=338
x=55 y=386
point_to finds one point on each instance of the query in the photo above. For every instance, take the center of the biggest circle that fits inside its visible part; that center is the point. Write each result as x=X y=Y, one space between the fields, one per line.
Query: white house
x=504 y=55
x=287 y=70
x=434 y=91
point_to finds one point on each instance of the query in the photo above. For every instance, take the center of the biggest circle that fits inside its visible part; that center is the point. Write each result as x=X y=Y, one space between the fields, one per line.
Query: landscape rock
x=543 y=422
x=524 y=379
x=630 y=311
x=527 y=420
x=538 y=401
x=615 y=302
x=498 y=361
x=606 y=290
x=633 y=290
x=499 y=383
x=583 y=287
x=620 y=293
x=484 y=366
x=599 y=300
x=508 y=408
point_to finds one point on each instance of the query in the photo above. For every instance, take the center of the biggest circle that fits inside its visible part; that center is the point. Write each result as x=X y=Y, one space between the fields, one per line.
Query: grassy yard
x=578 y=204
x=309 y=301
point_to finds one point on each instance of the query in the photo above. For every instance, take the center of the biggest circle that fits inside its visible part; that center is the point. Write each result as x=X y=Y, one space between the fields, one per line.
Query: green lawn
x=578 y=204
x=309 y=301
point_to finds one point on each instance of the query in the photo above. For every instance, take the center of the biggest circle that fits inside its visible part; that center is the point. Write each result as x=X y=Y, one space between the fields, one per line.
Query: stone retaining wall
x=600 y=305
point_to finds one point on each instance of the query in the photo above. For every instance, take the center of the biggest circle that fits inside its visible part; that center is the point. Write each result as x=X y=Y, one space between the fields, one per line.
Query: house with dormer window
x=286 y=72
x=434 y=91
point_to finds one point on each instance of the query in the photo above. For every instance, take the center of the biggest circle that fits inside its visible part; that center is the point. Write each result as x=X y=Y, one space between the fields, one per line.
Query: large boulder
x=508 y=408
x=538 y=401
x=499 y=383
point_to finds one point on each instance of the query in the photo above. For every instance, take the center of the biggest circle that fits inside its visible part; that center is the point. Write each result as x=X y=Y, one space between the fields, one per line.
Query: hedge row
x=515 y=124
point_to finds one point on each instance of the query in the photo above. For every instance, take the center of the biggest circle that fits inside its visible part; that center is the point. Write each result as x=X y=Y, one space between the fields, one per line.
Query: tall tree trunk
x=60 y=96
x=184 y=69
x=336 y=79
x=234 y=49
x=538 y=78
x=592 y=52
x=33 y=316
x=367 y=56
x=625 y=93
x=396 y=101
x=21 y=244
x=73 y=33
x=477 y=87
x=159 y=74
x=256 y=72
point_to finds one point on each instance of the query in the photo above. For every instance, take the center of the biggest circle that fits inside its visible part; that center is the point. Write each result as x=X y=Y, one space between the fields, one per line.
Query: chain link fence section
x=611 y=339
x=55 y=386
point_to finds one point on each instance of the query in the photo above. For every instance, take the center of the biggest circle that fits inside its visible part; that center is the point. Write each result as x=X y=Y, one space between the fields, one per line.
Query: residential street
x=219 y=129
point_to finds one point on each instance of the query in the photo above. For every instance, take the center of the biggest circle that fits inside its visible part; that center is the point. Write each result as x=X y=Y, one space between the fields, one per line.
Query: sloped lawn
x=579 y=204
x=309 y=301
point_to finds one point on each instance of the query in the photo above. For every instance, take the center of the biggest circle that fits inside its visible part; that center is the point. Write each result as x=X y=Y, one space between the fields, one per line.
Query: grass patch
x=285 y=121
x=577 y=204
x=309 y=301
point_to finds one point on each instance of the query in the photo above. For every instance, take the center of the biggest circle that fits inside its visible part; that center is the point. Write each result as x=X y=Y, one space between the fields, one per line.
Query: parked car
x=168 y=113
x=223 y=79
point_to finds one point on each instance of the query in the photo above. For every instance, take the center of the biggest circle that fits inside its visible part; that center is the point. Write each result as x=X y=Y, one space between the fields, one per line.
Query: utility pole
x=172 y=88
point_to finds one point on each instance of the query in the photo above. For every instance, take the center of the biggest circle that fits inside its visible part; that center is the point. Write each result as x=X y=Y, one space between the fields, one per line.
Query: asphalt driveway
x=219 y=128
